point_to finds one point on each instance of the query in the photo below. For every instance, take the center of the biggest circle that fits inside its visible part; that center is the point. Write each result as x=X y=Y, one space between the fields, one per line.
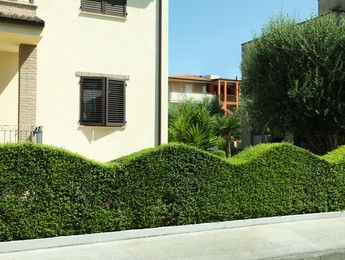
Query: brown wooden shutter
x=116 y=103
x=92 y=103
x=115 y=7
x=93 y=6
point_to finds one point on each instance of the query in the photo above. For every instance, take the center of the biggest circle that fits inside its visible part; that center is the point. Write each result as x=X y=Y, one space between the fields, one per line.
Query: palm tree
x=194 y=125
x=227 y=127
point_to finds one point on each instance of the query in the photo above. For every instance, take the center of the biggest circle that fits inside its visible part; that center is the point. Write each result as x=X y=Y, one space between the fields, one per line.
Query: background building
x=195 y=87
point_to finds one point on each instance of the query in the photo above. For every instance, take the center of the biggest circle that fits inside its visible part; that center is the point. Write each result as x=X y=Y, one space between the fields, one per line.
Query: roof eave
x=13 y=20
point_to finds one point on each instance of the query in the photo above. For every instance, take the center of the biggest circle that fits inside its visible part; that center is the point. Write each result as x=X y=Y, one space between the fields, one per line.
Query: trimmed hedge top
x=252 y=153
x=47 y=191
x=335 y=156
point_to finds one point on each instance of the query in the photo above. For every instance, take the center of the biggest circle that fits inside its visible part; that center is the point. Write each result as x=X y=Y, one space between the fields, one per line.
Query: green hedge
x=219 y=153
x=46 y=191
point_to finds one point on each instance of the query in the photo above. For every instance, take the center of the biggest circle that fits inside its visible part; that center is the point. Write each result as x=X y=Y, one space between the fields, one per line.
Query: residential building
x=195 y=87
x=92 y=74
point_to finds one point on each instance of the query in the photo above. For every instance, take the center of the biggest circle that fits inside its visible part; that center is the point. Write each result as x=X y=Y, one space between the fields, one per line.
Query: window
x=107 y=7
x=102 y=102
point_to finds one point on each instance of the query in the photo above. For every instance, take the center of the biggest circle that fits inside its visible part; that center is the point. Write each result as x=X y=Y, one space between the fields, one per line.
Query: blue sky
x=205 y=36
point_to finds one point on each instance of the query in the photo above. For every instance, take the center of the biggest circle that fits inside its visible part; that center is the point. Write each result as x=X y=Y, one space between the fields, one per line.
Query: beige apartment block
x=88 y=76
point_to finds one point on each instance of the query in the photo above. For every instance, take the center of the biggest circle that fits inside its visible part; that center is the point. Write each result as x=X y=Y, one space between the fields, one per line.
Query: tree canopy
x=294 y=80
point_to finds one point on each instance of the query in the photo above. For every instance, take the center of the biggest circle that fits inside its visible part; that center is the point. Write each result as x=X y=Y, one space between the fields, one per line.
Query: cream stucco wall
x=8 y=88
x=73 y=41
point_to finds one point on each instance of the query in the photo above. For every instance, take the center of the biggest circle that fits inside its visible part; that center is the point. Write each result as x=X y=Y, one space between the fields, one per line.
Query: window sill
x=112 y=17
x=102 y=126
x=103 y=75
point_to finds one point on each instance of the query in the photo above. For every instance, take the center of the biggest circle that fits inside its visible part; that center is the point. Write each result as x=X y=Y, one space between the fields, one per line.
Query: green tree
x=227 y=127
x=294 y=80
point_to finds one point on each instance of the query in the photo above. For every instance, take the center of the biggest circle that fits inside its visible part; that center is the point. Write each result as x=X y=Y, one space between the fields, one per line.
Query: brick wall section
x=27 y=87
x=18 y=8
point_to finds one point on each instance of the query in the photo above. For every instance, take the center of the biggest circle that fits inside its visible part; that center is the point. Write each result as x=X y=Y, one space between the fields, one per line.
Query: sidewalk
x=313 y=236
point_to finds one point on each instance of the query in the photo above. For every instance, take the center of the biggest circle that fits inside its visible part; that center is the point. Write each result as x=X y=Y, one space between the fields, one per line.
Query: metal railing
x=229 y=98
x=179 y=97
x=17 y=134
x=24 y=1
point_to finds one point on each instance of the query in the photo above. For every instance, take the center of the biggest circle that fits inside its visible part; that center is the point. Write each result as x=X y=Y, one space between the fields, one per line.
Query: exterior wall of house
x=75 y=42
x=8 y=88
x=176 y=87
x=180 y=87
x=20 y=32
x=12 y=35
x=187 y=90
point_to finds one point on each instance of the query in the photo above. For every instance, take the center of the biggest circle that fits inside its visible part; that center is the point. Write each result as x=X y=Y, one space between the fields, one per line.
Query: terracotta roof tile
x=21 y=18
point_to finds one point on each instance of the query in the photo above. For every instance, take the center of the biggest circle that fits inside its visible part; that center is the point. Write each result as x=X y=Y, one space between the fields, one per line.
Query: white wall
x=73 y=41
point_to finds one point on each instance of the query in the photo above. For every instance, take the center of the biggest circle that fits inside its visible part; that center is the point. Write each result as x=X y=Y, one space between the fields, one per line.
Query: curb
x=34 y=244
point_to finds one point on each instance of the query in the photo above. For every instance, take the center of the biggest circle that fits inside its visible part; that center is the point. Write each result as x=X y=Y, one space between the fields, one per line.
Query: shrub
x=47 y=191
x=219 y=153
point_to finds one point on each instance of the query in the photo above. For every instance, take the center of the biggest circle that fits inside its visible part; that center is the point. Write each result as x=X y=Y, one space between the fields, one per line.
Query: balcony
x=18 y=7
x=230 y=99
x=19 y=25
x=17 y=134
x=178 y=97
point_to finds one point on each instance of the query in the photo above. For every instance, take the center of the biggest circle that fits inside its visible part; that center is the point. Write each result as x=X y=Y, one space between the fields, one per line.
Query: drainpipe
x=160 y=85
